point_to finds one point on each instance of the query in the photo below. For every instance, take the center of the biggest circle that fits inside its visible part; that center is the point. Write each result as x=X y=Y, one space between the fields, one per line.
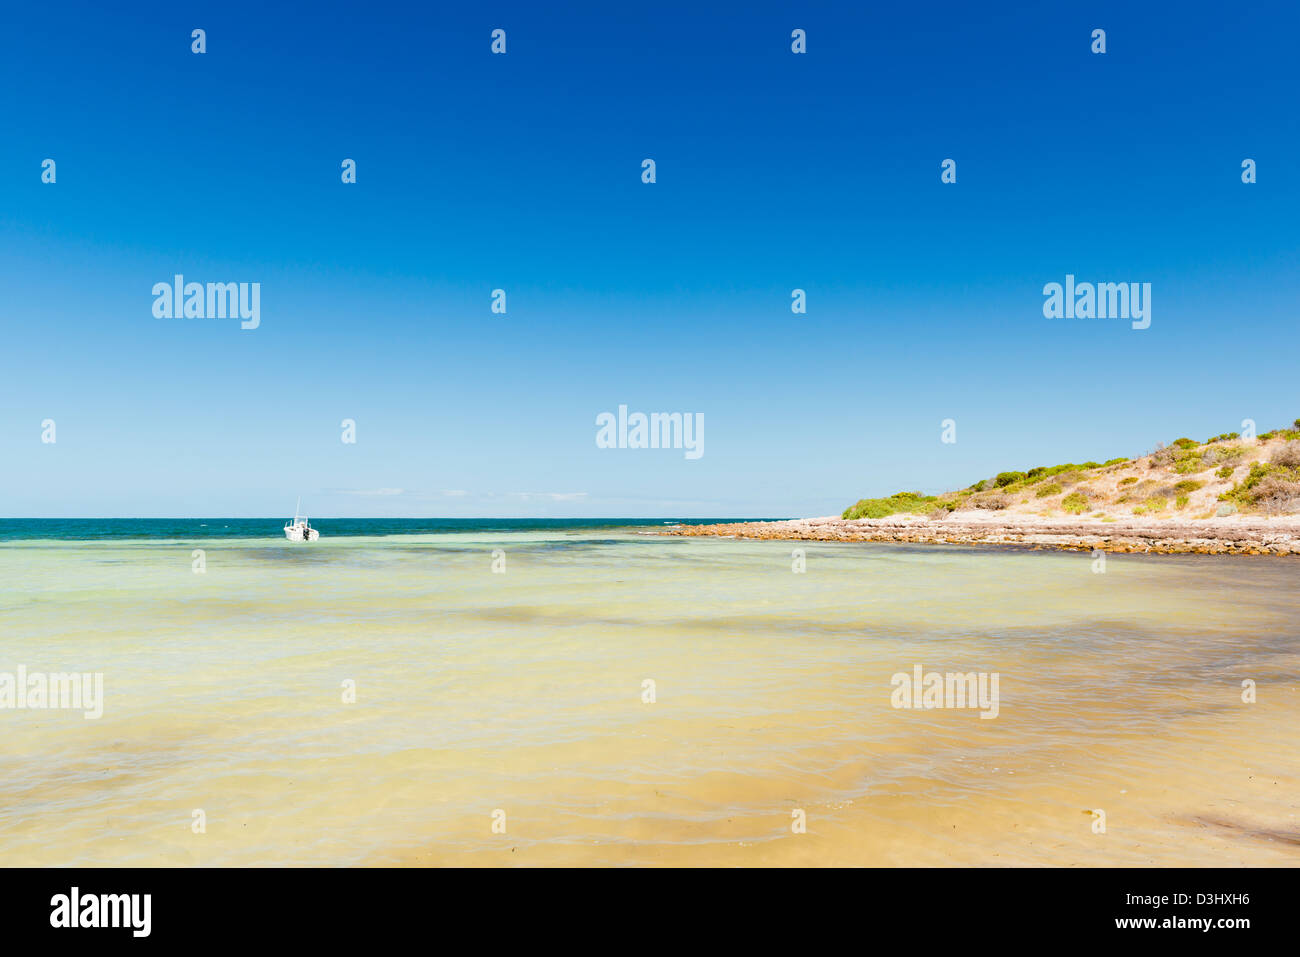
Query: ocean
x=501 y=692
x=193 y=529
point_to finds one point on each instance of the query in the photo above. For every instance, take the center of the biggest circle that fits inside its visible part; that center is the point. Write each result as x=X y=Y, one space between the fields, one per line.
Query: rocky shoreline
x=1232 y=537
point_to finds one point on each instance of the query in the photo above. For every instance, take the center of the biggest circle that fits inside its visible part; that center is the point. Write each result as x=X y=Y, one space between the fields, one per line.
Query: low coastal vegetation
x=913 y=502
x=1196 y=477
x=1074 y=503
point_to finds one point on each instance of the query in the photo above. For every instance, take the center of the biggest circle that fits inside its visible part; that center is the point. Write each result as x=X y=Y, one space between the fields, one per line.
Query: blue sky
x=775 y=171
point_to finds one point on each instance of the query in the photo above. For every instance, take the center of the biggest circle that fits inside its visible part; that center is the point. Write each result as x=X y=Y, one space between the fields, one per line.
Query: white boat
x=300 y=530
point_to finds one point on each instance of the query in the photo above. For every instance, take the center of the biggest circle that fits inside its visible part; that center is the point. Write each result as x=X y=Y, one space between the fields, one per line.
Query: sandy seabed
x=525 y=693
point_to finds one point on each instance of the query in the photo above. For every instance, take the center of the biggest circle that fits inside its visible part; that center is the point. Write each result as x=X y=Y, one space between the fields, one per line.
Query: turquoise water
x=98 y=529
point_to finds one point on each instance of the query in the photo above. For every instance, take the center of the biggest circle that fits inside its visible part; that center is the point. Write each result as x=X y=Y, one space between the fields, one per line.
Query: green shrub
x=1186 y=443
x=1225 y=472
x=1268 y=485
x=1219 y=454
x=1128 y=480
x=1046 y=490
x=1003 y=479
x=1074 y=503
x=1188 y=485
x=1240 y=494
x=894 y=504
x=1156 y=504
x=1039 y=472
x=1180 y=501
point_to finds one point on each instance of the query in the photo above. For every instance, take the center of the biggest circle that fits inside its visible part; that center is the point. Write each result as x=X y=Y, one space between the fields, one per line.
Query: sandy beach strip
x=1231 y=535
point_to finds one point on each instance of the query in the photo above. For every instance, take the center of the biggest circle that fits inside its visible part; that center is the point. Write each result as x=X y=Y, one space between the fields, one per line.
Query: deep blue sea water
x=96 y=529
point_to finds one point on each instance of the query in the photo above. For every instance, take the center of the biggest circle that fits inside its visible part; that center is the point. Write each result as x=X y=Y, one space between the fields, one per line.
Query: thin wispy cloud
x=550 y=496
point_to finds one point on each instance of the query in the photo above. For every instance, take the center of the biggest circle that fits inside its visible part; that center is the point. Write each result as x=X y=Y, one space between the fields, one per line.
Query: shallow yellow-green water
x=522 y=692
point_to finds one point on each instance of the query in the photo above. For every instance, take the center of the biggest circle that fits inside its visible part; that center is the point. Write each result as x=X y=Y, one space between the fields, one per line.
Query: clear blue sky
x=522 y=171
